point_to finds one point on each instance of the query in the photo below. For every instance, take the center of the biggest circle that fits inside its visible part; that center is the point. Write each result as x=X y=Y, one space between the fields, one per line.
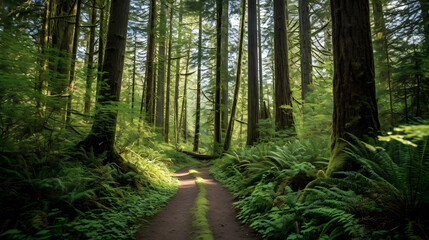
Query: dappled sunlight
x=187 y=183
x=181 y=174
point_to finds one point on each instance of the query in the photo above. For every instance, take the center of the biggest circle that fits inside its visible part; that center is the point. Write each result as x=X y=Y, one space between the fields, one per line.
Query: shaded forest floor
x=175 y=221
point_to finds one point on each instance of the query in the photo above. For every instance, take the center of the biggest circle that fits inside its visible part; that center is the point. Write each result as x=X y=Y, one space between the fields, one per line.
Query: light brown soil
x=174 y=222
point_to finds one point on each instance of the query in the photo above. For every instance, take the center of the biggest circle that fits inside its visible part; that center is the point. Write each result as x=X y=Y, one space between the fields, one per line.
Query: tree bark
x=261 y=79
x=134 y=77
x=218 y=113
x=176 y=88
x=72 y=75
x=283 y=95
x=355 y=106
x=305 y=49
x=91 y=46
x=167 y=96
x=252 y=94
x=230 y=129
x=104 y=7
x=161 y=70
x=183 y=114
x=224 y=73
x=102 y=136
x=150 y=84
x=198 y=107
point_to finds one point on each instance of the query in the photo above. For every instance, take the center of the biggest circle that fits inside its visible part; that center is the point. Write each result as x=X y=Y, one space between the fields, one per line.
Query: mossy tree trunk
x=91 y=47
x=161 y=70
x=198 y=103
x=102 y=136
x=167 y=95
x=150 y=83
x=224 y=73
x=305 y=47
x=355 y=106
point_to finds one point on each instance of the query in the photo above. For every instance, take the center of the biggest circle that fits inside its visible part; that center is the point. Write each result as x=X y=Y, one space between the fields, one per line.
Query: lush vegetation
x=283 y=193
x=319 y=127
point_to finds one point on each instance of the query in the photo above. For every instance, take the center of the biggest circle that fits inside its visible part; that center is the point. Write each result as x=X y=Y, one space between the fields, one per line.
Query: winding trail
x=174 y=222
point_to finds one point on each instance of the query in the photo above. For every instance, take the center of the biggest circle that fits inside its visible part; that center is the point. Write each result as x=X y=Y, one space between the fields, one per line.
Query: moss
x=199 y=211
x=337 y=160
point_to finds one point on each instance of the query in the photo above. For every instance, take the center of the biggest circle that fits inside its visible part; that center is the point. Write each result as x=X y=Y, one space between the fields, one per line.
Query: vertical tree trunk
x=224 y=73
x=43 y=63
x=383 y=52
x=305 y=49
x=102 y=136
x=355 y=106
x=104 y=7
x=91 y=46
x=261 y=79
x=161 y=70
x=134 y=77
x=252 y=94
x=72 y=75
x=230 y=130
x=198 y=107
x=167 y=96
x=283 y=95
x=183 y=118
x=217 y=118
x=150 y=84
x=176 y=88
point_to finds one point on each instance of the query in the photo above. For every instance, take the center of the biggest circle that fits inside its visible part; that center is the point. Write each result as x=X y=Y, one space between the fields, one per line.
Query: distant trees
x=355 y=105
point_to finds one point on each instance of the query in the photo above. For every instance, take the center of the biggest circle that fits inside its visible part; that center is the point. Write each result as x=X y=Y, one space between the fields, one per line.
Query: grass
x=199 y=211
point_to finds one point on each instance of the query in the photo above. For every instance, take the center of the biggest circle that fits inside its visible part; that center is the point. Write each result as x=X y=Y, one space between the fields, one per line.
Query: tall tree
x=283 y=95
x=72 y=74
x=382 y=50
x=305 y=48
x=133 y=89
x=176 y=87
x=230 y=129
x=218 y=119
x=355 y=105
x=167 y=95
x=198 y=103
x=252 y=94
x=91 y=48
x=102 y=136
x=150 y=83
x=104 y=8
x=263 y=114
x=224 y=73
x=183 y=115
x=161 y=69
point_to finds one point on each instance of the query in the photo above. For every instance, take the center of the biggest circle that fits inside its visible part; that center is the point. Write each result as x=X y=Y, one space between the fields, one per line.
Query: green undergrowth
x=71 y=194
x=281 y=195
x=199 y=211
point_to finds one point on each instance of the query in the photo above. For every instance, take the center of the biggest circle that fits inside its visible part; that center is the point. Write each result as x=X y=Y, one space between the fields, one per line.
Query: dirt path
x=174 y=222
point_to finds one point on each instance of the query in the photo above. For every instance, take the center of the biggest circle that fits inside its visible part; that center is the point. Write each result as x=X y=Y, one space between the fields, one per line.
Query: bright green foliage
x=199 y=211
x=282 y=197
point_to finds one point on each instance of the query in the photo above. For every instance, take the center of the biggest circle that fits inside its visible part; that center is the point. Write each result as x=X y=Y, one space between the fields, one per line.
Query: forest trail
x=175 y=220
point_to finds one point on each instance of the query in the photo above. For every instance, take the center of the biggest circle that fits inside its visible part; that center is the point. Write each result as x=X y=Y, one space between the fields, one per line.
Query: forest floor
x=175 y=220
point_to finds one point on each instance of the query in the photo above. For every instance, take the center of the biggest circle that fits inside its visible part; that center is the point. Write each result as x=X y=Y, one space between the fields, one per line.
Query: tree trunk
x=134 y=77
x=42 y=82
x=383 y=60
x=224 y=73
x=161 y=70
x=176 y=88
x=91 y=46
x=283 y=95
x=218 y=113
x=183 y=118
x=102 y=136
x=261 y=79
x=198 y=107
x=230 y=130
x=72 y=75
x=104 y=7
x=167 y=96
x=355 y=106
x=150 y=84
x=252 y=94
x=305 y=49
